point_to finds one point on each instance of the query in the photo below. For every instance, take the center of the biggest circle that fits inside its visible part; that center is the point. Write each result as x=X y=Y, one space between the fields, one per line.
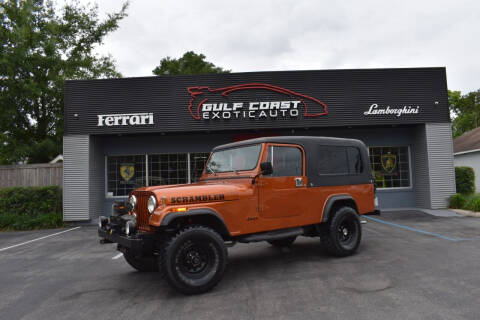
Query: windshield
x=235 y=159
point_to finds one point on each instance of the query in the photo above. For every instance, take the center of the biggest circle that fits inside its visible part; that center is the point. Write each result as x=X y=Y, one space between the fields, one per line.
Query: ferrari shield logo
x=127 y=170
x=389 y=162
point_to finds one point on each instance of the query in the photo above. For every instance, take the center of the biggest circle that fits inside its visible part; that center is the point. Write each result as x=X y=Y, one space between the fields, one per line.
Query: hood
x=197 y=192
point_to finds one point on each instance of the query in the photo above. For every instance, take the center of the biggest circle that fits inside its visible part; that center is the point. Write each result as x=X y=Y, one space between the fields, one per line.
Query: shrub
x=31 y=200
x=473 y=204
x=465 y=180
x=27 y=208
x=13 y=221
x=457 y=201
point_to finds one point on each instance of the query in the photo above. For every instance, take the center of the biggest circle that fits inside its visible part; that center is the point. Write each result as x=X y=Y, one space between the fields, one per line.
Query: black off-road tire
x=342 y=234
x=285 y=242
x=140 y=262
x=194 y=260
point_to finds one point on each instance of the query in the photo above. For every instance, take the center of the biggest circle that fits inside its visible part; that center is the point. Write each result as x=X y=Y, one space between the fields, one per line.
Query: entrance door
x=282 y=194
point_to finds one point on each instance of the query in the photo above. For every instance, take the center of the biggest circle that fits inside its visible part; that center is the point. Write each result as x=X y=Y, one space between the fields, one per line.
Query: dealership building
x=121 y=134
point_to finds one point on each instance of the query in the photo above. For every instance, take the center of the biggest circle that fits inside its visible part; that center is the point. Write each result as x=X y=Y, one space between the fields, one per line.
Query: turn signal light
x=182 y=209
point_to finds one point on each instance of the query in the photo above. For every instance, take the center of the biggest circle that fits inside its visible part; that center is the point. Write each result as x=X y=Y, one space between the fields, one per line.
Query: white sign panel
x=375 y=110
x=125 y=119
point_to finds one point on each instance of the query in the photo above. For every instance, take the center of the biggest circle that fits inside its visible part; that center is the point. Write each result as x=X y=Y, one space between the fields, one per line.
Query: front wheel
x=342 y=233
x=195 y=260
x=141 y=262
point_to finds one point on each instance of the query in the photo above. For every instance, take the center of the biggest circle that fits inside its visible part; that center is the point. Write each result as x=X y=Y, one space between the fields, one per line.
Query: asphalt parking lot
x=410 y=265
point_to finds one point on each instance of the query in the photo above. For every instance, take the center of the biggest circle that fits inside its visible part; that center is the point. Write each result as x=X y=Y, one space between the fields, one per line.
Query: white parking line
x=117 y=256
x=401 y=226
x=41 y=238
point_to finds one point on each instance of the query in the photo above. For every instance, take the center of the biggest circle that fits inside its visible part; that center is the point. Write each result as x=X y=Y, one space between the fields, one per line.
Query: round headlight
x=133 y=201
x=152 y=204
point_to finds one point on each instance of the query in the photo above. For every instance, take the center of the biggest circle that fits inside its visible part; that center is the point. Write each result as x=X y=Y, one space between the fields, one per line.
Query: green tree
x=43 y=46
x=190 y=63
x=464 y=110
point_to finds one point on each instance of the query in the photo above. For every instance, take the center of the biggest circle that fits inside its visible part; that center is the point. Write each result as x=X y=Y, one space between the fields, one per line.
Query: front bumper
x=114 y=232
x=131 y=242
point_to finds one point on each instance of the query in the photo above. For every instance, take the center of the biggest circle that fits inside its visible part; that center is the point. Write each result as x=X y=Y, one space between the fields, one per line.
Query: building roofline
x=464 y=152
x=149 y=77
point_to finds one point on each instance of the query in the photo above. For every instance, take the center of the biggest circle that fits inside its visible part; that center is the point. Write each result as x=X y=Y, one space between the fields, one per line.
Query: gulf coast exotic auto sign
x=225 y=103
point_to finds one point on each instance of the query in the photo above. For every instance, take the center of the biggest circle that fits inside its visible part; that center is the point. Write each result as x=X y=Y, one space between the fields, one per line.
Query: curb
x=467 y=213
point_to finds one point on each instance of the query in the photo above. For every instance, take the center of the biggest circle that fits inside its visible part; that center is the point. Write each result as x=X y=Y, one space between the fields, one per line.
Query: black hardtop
x=304 y=141
x=314 y=148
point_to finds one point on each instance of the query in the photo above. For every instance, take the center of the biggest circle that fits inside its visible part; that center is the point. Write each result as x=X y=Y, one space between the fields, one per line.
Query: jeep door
x=282 y=194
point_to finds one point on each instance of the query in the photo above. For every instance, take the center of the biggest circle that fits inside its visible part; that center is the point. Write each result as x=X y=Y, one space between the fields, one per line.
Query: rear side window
x=332 y=160
x=355 y=163
x=286 y=161
x=336 y=160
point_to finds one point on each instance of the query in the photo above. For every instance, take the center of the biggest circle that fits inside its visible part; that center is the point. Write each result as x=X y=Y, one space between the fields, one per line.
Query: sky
x=265 y=35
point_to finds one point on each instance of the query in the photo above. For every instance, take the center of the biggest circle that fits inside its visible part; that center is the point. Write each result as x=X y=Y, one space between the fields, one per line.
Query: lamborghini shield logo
x=389 y=162
x=127 y=170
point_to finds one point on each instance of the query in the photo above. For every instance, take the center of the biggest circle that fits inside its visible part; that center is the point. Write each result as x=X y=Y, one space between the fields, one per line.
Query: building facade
x=470 y=159
x=121 y=134
x=466 y=150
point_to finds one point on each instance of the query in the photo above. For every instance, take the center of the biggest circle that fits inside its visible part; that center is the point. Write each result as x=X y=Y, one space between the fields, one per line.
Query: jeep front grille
x=142 y=212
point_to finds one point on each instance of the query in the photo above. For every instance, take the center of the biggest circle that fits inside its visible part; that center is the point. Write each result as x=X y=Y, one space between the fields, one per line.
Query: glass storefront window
x=390 y=166
x=167 y=169
x=125 y=173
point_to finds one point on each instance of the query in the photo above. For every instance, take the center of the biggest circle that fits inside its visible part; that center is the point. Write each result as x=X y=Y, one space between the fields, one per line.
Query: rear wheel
x=195 y=260
x=342 y=233
x=285 y=242
x=142 y=263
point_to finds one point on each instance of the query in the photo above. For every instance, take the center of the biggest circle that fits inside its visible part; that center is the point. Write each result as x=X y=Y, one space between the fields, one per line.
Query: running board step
x=271 y=235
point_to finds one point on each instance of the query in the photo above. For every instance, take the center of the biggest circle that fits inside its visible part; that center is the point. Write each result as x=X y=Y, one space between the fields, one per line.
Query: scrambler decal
x=210 y=104
x=193 y=199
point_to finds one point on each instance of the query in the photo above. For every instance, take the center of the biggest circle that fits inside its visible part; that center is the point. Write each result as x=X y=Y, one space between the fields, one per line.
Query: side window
x=286 y=161
x=124 y=174
x=390 y=166
x=332 y=160
x=355 y=164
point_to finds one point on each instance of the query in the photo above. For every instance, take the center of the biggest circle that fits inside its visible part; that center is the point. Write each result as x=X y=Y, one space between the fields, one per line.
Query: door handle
x=298 y=182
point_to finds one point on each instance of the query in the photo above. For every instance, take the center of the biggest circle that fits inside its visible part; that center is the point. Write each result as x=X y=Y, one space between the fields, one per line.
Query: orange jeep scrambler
x=268 y=189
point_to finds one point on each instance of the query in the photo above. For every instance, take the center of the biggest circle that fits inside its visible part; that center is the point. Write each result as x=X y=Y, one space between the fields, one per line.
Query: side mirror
x=266 y=168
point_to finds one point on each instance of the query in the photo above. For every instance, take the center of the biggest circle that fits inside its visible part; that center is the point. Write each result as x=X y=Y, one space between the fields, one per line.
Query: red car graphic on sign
x=198 y=98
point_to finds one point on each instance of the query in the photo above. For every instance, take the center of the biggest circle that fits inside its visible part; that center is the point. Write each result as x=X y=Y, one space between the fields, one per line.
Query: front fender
x=205 y=215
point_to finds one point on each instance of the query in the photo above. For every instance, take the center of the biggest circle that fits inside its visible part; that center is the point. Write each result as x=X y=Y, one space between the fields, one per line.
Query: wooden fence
x=33 y=175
